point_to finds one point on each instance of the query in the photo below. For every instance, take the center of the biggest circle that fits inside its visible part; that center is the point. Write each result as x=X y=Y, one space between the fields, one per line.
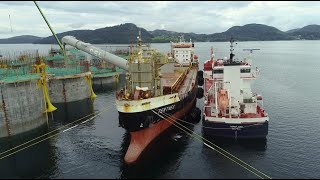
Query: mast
x=231 y=49
x=10 y=22
x=139 y=46
x=211 y=55
x=182 y=39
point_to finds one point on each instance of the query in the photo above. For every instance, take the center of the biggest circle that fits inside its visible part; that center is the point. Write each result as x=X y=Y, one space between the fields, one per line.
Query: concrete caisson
x=22 y=107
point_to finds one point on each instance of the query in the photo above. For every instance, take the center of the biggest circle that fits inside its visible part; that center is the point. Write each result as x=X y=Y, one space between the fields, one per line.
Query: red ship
x=231 y=109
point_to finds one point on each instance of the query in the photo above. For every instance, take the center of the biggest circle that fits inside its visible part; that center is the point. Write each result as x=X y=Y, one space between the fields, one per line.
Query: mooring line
x=96 y=114
x=175 y=124
x=221 y=148
x=257 y=124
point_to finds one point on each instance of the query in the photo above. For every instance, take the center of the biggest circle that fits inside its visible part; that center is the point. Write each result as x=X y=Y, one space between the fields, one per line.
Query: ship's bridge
x=183 y=51
x=245 y=72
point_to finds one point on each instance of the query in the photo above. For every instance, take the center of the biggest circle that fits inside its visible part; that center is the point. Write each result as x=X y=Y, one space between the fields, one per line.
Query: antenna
x=139 y=38
x=10 y=22
x=182 y=38
x=251 y=50
x=139 y=45
x=231 y=49
x=249 y=59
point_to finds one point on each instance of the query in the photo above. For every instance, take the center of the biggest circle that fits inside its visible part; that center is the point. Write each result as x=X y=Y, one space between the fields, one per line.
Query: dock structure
x=104 y=73
x=22 y=97
x=69 y=82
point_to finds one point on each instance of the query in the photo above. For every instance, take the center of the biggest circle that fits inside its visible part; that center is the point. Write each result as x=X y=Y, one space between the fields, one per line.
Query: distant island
x=20 y=39
x=127 y=33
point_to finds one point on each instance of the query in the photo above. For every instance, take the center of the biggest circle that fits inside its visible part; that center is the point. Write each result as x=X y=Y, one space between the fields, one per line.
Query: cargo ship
x=231 y=109
x=158 y=86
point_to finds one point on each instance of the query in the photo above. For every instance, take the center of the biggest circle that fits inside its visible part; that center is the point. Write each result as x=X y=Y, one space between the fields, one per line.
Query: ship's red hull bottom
x=141 y=139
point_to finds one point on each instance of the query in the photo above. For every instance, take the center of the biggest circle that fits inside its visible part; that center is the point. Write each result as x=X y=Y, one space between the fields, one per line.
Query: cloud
x=182 y=16
x=77 y=25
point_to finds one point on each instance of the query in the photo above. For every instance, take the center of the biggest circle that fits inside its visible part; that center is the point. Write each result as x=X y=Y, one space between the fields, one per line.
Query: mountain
x=251 y=32
x=20 y=39
x=167 y=36
x=127 y=33
x=160 y=32
x=310 y=28
x=163 y=36
x=120 y=34
x=293 y=30
x=310 y=32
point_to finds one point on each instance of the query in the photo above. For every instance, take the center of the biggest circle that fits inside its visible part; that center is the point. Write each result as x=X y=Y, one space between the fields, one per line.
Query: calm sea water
x=289 y=83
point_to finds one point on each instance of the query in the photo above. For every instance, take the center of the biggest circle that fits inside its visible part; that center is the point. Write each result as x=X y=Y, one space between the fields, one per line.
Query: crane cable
x=54 y=34
x=96 y=114
x=172 y=122
x=201 y=140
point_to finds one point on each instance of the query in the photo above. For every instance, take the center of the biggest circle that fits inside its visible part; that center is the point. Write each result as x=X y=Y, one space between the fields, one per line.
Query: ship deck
x=189 y=82
x=209 y=83
x=259 y=114
x=177 y=82
x=168 y=79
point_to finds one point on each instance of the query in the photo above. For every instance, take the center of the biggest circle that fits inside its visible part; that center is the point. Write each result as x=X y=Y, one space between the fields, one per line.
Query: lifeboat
x=259 y=97
x=208 y=65
x=223 y=101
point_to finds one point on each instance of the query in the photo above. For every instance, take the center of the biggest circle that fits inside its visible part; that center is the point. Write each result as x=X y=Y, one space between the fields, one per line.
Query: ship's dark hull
x=236 y=131
x=142 y=120
x=145 y=126
x=139 y=140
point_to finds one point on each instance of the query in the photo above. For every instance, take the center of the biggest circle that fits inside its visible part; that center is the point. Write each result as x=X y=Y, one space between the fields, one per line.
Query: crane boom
x=97 y=52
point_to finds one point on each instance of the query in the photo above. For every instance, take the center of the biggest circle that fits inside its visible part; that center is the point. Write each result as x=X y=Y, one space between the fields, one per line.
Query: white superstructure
x=228 y=91
x=182 y=51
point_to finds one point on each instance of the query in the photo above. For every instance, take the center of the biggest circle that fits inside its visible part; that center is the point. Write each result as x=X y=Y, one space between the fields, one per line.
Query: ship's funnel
x=97 y=52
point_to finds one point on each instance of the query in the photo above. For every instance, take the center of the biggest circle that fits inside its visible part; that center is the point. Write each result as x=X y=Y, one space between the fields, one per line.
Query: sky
x=201 y=17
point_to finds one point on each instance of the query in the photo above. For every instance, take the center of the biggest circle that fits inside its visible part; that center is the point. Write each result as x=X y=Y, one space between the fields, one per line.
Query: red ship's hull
x=142 y=138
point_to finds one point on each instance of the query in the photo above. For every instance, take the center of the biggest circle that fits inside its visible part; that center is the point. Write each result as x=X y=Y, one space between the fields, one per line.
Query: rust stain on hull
x=126 y=107
x=64 y=91
x=6 y=120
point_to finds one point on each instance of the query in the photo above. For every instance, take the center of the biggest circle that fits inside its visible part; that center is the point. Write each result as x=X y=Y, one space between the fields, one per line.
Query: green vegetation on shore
x=127 y=34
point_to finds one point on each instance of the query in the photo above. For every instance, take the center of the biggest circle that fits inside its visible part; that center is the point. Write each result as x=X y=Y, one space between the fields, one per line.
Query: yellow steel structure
x=41 y=68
